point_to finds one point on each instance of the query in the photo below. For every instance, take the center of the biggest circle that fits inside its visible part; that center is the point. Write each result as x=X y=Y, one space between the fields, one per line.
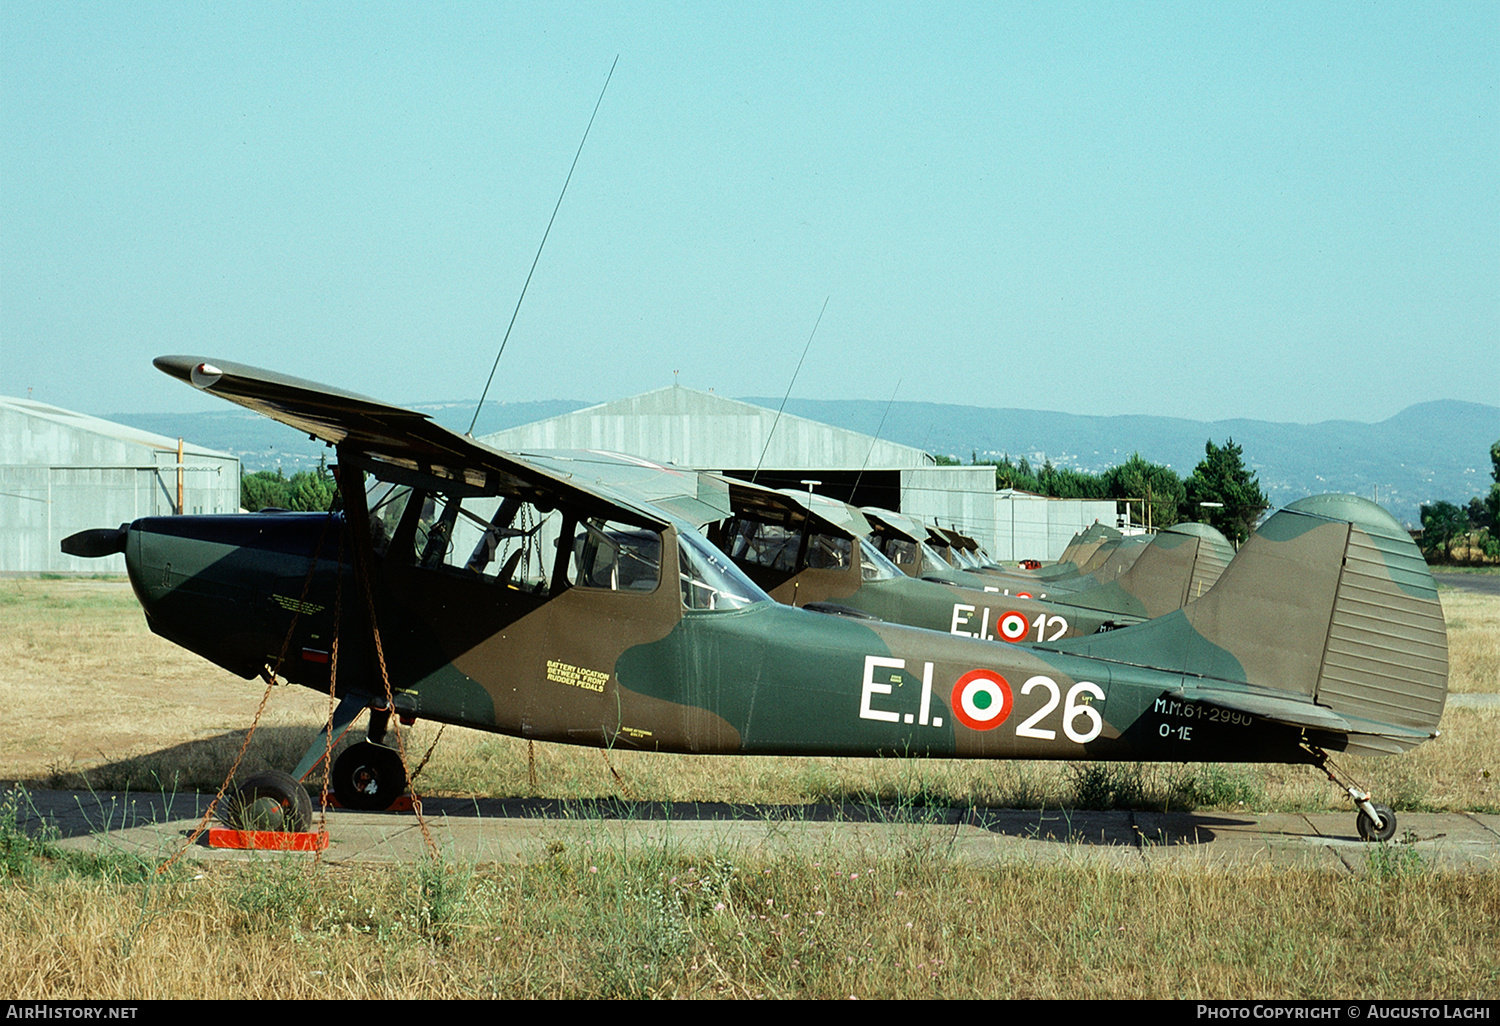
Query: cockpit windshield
x=873 y=564
x=932 y=563
x=709 y=580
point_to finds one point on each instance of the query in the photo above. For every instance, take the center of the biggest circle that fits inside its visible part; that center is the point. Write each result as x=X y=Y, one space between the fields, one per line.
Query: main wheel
x=1369 y=830
x=368 y=777
x=268 y=801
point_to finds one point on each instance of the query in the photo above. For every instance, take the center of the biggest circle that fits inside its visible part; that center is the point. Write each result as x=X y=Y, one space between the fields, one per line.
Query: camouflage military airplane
x=1161 y=573
x=1081 y=548
x=466 y=585
x=1096 y=555
x=815 y=551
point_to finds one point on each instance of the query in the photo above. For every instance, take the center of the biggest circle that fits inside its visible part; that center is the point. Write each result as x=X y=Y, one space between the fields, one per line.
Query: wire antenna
x=538 y=257
x=890 y=402
x=788 y=395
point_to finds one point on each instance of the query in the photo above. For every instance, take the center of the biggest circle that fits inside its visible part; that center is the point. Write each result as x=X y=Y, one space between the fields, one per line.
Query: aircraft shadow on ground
x=145 y=781
x=1068 y=826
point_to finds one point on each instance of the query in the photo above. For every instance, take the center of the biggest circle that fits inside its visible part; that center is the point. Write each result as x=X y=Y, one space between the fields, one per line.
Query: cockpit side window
x=829 y=551
x=500 y=540
x=614 y=556
x=764 y=544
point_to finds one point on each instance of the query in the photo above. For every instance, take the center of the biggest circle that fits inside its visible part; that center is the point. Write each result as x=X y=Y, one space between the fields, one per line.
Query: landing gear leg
x=1373 y=822
x=380 y=719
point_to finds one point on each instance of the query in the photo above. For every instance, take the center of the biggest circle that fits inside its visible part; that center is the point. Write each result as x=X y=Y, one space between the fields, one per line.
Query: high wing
x=397 y=437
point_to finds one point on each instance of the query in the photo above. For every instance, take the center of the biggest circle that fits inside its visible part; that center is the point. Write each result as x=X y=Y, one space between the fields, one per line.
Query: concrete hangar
x=708 y=432
x=62 y=472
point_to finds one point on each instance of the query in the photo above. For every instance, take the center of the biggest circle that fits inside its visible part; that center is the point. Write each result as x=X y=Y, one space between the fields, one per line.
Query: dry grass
x=591 y=921
x=1473 y=641
x=88 y=689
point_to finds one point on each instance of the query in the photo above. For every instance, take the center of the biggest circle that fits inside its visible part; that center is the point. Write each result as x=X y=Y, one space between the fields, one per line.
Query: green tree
x=1484 y=511
x=1492 y=501
x=1443 y=523
x=265 y=489
x=1152 y=483
x=307 y=491
x=311 y=491
x=1223 y=493
x=1009 y=475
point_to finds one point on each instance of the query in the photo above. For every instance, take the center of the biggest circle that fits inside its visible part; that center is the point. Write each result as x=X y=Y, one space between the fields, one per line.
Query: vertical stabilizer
x=1328 y=605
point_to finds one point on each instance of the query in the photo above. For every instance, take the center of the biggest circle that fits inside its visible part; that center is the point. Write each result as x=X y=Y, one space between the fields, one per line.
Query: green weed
x=1396 y=860
x=274 y=895
x=1218 y=786
x=442 y=904
x=20 y=852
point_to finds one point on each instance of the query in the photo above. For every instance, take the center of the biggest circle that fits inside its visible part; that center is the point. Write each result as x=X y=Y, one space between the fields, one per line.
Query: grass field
x=94 y=700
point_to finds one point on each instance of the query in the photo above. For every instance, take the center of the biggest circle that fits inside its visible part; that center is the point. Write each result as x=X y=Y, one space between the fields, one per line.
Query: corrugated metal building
x=62 y=472
x=1028 y=523
x=709 y=432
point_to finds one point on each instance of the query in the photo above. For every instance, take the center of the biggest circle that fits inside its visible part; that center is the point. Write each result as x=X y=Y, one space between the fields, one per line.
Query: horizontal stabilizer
x=1278 y=708
x=1363 y=737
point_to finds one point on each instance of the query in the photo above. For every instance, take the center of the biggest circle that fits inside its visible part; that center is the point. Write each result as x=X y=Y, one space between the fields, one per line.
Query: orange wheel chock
x=267 y=840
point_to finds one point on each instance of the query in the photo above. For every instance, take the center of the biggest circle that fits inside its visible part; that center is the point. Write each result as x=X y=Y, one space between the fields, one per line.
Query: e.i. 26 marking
x=982 y=700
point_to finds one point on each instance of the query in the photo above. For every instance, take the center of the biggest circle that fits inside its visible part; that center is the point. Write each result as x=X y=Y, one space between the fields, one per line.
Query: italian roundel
x=1013 y=626
x=981 y=699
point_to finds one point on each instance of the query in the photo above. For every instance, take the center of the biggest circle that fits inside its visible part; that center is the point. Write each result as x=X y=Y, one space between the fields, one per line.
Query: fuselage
x=638 y=667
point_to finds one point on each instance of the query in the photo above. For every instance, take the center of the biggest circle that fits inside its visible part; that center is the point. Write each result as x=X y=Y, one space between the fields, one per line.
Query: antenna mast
x=789 y=391
x=538 y=257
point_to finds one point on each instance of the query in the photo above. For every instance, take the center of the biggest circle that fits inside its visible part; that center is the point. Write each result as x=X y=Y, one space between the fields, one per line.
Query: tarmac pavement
x=1485 y=584
x=523 y=830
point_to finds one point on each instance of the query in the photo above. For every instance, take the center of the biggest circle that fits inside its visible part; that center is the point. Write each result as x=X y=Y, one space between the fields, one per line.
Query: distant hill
x=1431 y=451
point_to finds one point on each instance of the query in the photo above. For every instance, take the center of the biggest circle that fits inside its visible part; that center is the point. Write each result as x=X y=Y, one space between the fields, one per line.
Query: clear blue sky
x=1280 y=211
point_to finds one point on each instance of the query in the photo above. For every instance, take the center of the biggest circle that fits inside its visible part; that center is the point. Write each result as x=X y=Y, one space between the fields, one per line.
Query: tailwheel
x=368 y=777
x=272 y=801
x=1374 y=822
x=1372 y=828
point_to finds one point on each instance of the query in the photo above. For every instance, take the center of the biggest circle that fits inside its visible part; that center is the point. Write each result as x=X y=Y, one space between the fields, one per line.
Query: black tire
x=368 y=777
x=268 y=801
x=1369 y=831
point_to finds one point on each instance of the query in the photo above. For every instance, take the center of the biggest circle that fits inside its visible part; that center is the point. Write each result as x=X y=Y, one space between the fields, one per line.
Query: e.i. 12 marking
x=1011 y=626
